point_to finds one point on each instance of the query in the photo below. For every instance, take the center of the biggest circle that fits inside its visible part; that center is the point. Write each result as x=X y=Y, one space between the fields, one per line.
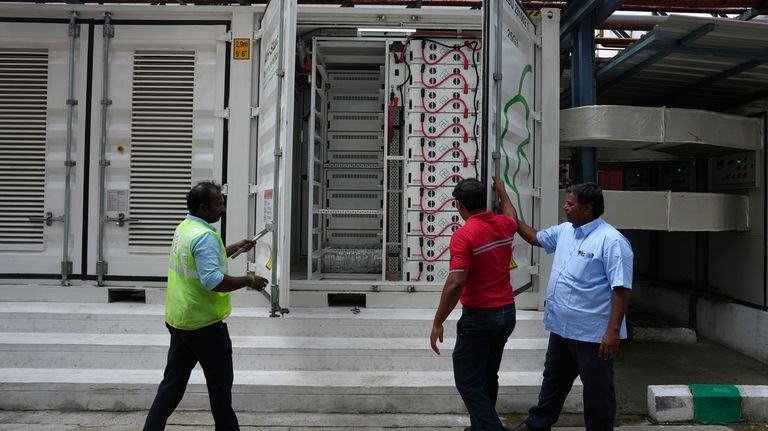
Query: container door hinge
x=255 y=111
x=536 y=192
x=221 y=113
x=253 y=189
x=534 y=269
x=537 y=40
x=495 y=155
x=224 y=189
x=537 y=116
x=257 y=34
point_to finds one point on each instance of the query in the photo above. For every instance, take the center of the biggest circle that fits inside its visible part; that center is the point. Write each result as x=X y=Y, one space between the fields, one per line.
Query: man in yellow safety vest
x=197 y=302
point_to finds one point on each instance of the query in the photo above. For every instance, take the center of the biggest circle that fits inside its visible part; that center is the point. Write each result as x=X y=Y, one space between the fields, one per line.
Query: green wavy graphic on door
x=520 y=151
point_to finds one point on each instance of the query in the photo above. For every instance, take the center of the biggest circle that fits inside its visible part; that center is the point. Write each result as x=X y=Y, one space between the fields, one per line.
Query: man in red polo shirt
x=481 y=251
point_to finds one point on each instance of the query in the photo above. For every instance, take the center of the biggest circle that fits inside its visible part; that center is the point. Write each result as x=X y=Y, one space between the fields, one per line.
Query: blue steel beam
x=574 y=14
x=583 y=92
x=753 y=12
x=690 y=37
x=602 y=12
x=583 y=64
x=606 y=9
x=628 y=54
x=716 y=78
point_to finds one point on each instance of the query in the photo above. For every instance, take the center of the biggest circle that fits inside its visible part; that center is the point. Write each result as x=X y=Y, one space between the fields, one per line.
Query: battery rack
x=436 y=80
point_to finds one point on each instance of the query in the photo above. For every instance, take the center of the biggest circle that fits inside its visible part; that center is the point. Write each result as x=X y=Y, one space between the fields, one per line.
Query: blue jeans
x=212 y=347
x=565 y=360
x=481 y=336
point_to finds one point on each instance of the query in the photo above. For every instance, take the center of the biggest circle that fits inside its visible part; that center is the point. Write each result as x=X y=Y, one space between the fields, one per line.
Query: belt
x=486 y=311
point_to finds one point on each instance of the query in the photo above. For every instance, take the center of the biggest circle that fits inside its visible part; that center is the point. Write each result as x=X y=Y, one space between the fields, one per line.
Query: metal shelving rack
x=346 y=196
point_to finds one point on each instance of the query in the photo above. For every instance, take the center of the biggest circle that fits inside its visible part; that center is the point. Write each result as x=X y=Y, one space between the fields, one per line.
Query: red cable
x=450 y=150
x=466 y=134
x=445 y=54
x=433 y=86
x=433 y=212
x=432 y=187
x=434 y=259
x=440 y=232
x=438 y=110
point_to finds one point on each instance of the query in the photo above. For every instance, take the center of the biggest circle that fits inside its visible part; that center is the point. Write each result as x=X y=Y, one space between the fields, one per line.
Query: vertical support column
x=548 y=145
x=583 y=92
x=240 y=173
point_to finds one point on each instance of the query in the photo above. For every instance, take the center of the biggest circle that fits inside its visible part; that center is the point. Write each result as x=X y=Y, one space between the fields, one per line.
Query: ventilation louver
x=23 y=119
x=161 y=144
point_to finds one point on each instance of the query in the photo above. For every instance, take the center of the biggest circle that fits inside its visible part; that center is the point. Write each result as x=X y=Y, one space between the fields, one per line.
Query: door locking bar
x=120 y=220
x=48 y=219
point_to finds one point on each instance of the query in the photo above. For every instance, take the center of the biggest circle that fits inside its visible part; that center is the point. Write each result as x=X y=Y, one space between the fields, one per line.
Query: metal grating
x=23 y=115
x=161 y=143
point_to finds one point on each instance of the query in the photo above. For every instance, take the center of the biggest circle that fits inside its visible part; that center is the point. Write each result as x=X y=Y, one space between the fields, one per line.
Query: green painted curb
x=716 y=404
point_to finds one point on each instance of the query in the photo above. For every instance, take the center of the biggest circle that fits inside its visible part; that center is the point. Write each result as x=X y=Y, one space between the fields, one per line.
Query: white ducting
x=678 y=131
x=675 y=211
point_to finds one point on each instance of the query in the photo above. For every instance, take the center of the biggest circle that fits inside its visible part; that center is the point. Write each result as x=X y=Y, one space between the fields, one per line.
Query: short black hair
x=200 y=194
x=471 y=193
x=589 y=193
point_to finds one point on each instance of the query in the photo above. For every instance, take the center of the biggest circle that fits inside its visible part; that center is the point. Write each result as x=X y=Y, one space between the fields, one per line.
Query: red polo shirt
x=482 y=248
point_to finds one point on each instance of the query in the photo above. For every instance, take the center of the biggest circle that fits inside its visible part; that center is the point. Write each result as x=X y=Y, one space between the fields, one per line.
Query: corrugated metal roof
x=690 y=62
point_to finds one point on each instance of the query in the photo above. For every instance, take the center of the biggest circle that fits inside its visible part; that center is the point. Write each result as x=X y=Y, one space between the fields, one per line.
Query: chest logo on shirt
x=585 y=254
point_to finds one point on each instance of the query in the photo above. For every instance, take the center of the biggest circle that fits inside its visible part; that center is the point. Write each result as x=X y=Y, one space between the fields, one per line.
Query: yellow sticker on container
x=241 y=49
x=268 y=265
x=512 y=264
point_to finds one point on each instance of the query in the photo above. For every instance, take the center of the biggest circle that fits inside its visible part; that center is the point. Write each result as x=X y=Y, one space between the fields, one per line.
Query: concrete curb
x=708 y=403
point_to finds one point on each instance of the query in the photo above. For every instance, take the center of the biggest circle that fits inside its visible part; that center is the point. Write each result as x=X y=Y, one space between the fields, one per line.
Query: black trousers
x=212 y=347
x=480 y=340
x=565 y=360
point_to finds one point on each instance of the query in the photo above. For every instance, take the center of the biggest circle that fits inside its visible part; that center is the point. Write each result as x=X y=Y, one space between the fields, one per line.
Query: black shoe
x=521 y=427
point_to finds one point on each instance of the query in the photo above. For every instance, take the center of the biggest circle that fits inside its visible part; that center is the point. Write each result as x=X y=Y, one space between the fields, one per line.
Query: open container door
x=509 y=56
x=274 y=147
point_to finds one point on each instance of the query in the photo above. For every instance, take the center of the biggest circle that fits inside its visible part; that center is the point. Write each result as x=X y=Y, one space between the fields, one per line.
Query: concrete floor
x=198 y=421
x=640 y=364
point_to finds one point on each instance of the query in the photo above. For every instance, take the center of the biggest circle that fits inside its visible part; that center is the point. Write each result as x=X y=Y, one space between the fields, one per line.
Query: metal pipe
x=108 y=34
x=66 y=264
x=620 y=42
x=275 y=288
x=631 y=22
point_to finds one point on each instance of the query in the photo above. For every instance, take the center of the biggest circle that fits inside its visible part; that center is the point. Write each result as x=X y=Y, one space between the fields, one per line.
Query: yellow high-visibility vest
x=188 y=304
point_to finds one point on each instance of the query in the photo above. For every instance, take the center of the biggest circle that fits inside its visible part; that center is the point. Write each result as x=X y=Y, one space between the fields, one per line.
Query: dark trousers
x=565 y=360
x=481 y=336
x=212 y=347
